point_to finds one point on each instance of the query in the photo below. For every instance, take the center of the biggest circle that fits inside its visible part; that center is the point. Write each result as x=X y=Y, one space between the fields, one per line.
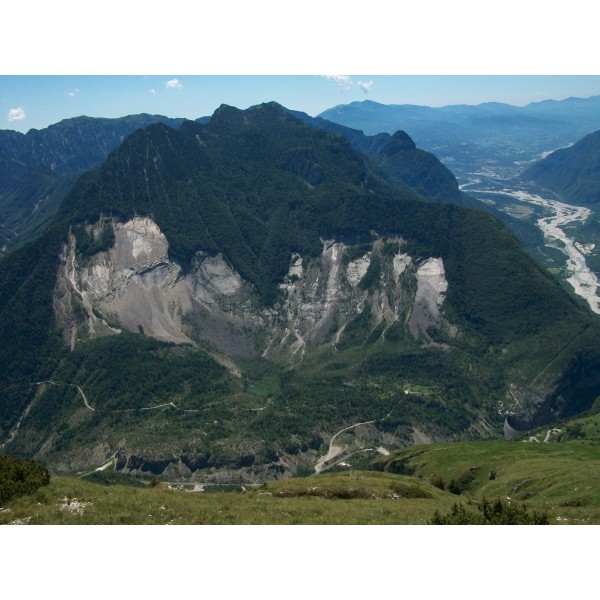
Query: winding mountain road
x=335 y=450
x=13 y=432
x=86 y=403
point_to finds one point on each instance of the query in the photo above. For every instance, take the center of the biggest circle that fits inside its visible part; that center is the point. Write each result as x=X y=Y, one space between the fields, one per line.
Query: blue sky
x=30 y=101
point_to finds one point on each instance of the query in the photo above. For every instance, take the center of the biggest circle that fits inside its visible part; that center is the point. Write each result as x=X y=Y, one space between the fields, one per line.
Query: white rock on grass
x=73 y=505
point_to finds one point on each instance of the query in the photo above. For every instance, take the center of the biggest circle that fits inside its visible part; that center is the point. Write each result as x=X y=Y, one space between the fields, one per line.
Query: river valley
x=554 y=218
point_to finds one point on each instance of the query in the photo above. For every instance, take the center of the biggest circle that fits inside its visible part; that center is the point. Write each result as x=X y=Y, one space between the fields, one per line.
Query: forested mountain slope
x=399 y=160
x=231 y=294
x=38 y=168
x=573 y=172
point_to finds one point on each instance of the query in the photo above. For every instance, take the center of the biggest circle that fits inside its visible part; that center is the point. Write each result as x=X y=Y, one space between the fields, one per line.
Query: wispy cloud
x=153 y=92
x=173 y=84
x=73 y=93
x=365 y=86
x=345 y=82
x=17 y=114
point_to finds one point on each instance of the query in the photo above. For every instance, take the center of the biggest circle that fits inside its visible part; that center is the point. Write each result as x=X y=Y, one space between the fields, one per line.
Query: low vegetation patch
x=560 y=479
x=19 y=477
x=497 y=512
x=410 y=490
x=464 y=482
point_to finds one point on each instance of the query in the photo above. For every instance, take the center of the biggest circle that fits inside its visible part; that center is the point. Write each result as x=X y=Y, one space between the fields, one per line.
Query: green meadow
x=560 y=480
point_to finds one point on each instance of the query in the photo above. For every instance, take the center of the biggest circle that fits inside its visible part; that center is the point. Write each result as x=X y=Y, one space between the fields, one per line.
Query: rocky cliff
x=136 y=286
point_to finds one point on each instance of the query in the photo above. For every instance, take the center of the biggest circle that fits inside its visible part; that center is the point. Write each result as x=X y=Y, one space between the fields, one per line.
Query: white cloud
x=344 y=81
x=173 y=84
x=73 y=93
x=365 y=86
x=16 y=114
x=153 y=92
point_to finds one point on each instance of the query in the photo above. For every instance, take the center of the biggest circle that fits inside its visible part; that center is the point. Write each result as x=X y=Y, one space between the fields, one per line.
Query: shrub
x=409 y=490
x=498 y=512
x=437 y=481
x=464 y=482
x=19 y=477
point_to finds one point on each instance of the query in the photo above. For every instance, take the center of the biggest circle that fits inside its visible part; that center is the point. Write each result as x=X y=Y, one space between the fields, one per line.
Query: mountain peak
x=398 y=142
x=225 y=110
x=231 y=116
x=271 y=106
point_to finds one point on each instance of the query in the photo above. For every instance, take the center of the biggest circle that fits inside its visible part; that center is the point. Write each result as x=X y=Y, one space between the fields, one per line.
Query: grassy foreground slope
x=350 y=498
x=560 y=480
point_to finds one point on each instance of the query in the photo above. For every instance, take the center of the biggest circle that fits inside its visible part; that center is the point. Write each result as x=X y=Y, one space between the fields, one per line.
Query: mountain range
x=227 y=294
x=470 y=138
x=464 y=123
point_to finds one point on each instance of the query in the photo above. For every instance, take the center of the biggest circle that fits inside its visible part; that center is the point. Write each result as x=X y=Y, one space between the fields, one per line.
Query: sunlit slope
x=255 y=190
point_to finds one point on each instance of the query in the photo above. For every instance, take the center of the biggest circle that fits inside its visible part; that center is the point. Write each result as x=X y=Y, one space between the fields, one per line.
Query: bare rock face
x=432 y=287
x=312 y=302
x=357 y=269
x=400 y=263
x=136 y=286
x=133 y=285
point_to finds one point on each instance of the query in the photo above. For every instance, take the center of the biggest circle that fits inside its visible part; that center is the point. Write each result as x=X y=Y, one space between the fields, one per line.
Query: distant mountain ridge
x=374 y=117
x=399 y=160
x=74 y=144
x=38 y=168
x=471 y=138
